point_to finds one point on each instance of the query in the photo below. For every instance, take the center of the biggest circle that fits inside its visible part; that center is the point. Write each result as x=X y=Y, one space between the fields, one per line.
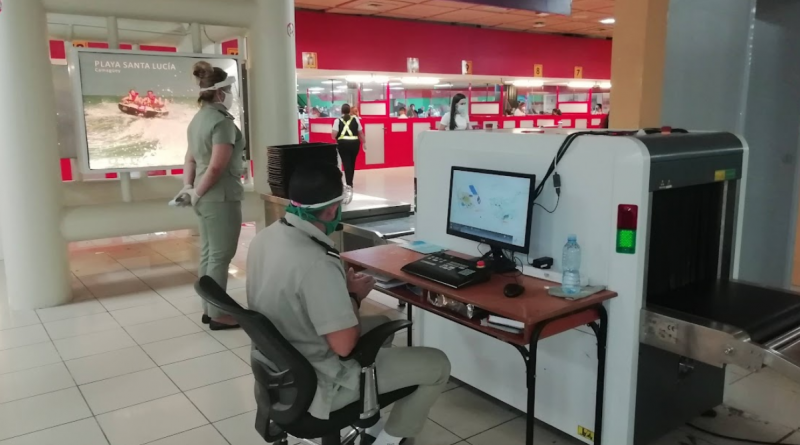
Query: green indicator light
x=626 y=241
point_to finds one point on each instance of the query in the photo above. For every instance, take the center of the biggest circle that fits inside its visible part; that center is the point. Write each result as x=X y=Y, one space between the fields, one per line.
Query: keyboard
x=448 y=270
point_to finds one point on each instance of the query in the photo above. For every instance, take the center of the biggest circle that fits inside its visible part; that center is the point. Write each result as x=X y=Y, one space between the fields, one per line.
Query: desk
x=543 y=315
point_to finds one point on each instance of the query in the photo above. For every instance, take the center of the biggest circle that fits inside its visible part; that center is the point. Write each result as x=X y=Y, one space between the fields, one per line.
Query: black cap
x=315 y=182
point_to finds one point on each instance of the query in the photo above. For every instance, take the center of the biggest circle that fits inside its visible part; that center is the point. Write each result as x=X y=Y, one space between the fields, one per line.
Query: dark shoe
x=206 y=319
x=217 y=326
x=368 y=440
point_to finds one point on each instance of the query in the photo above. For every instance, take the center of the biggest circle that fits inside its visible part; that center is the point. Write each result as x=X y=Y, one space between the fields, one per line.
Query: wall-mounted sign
x=80 y=43
x=578 y=72
x=466 y=67
x=232 y=51
x=538 y=70
x=412 y=64
x=310 y=61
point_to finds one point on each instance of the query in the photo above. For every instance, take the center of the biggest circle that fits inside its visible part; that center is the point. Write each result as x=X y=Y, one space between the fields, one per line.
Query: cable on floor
x=735 y=439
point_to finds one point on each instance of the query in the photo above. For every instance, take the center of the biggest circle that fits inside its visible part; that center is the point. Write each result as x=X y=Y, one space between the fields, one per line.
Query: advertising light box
x=133 y=108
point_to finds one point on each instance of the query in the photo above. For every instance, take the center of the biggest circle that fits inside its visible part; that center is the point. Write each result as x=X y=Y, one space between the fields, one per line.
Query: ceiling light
x=609 y=21
x=395 y=84
x=443 y=85
x=527 y=83
x=581 y=85
x=316 y=89
x=605 y=85
x=420 y=80
x=397 y=88
x=367 y=89
x=331 y=82
x=367 y=78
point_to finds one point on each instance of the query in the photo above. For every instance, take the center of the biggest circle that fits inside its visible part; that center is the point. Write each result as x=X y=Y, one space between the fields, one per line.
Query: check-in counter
x=367 y=221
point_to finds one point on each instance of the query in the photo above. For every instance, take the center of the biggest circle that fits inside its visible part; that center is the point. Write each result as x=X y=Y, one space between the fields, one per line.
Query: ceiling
x=585 y=18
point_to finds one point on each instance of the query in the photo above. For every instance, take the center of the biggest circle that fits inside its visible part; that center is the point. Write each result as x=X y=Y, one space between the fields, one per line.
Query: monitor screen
x=491 y=207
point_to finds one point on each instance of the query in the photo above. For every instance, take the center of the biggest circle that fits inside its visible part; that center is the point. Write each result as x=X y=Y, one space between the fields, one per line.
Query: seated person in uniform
x=296 y=279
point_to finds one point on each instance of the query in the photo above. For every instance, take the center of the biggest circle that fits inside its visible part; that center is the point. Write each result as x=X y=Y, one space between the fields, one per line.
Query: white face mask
x=462 y=109
x=227 y=102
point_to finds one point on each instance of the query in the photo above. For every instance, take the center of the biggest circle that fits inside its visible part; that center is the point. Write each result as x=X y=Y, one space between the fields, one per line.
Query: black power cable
x=721 y=436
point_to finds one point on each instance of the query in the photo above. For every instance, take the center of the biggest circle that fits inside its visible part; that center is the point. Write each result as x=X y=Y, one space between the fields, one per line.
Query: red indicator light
x=627 y=216
x=627 y=220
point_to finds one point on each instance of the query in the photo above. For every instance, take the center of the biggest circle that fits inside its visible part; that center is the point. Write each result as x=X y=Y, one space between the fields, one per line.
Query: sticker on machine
x=725 y=175
x=586 y=433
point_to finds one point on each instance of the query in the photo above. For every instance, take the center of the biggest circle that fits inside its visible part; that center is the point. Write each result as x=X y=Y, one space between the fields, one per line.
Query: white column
x=36 y=262
x=113 y=32
x=273 y=101
x=197 y=38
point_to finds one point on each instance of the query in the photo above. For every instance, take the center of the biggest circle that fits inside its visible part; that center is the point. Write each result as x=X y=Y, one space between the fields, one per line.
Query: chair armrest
x=370 y=344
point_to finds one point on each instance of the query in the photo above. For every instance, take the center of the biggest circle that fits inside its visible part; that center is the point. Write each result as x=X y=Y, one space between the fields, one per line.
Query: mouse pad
x=586 y=291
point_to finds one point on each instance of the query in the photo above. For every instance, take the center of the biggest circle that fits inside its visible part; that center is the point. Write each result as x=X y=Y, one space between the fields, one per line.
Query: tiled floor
x=129 y=363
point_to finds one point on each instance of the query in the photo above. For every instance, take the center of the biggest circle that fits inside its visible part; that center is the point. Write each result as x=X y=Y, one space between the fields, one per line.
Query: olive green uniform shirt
x=302 y=289
x=214 y=125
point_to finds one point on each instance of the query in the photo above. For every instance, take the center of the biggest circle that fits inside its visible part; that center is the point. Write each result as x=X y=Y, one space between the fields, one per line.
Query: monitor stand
x=498 y=261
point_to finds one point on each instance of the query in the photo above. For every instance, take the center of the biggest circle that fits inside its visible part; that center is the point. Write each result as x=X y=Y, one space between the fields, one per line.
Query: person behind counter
x=401 y=113
x=519 y=109
x=349 y=135
x=296 y=279
x=458 y=117
x=212 y=178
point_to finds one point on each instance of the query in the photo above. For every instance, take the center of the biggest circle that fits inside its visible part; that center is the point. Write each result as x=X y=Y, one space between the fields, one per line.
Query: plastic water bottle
x=571 y=266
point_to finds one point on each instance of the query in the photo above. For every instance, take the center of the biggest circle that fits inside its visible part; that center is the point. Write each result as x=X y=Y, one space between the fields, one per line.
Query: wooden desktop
x=541 y=314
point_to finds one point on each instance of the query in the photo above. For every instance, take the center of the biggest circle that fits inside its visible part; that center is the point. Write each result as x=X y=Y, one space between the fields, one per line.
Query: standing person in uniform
x=296 y=279
x=212 y=178
x=349 y=134
x=458 y=117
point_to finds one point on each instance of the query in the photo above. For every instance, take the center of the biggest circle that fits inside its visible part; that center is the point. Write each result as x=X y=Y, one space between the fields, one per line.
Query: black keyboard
x=448 y=270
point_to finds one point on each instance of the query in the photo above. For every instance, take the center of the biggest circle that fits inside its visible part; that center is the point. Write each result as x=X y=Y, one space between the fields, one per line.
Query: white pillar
x=113 y=32
x=272 y=74
x=197 y=38
x=36 y=262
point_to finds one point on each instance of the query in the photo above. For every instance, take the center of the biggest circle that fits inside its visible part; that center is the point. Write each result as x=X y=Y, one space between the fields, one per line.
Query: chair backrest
x=285 y=380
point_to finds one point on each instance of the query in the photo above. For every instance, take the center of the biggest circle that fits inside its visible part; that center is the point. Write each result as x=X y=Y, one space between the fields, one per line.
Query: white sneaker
x=348 y=195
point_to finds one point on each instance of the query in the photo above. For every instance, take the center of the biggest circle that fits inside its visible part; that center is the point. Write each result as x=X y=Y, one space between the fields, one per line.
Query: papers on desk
x=383 y=281
x=503 y=324
x=422 y=247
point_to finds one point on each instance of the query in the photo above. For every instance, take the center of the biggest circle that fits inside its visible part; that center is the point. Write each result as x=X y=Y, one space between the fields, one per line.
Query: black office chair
x=286 y=382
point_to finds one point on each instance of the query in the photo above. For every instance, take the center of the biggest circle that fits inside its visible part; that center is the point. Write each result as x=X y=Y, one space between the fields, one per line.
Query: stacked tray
x=283 y=159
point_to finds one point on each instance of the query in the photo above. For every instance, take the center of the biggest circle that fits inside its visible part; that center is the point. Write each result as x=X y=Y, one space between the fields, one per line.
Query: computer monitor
x=493 y=208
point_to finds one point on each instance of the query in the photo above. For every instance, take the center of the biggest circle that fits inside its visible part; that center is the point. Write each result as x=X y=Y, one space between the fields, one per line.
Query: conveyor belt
x=727 y=322
x=762 y=313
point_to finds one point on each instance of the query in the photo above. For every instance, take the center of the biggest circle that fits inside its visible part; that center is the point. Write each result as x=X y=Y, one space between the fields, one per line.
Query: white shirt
x=518 y=112
x=462 y=123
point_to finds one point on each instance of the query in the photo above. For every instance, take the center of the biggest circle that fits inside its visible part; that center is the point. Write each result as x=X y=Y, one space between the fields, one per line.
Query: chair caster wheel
x=401 y=304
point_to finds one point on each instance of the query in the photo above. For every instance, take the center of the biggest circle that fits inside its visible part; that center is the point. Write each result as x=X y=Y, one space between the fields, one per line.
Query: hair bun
x=202 y=70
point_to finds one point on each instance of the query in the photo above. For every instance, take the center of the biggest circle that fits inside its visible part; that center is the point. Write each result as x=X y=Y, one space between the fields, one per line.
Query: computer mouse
x=513 y=290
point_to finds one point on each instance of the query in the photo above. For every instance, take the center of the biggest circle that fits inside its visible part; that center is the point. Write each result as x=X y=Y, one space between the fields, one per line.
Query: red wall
x=379 y=44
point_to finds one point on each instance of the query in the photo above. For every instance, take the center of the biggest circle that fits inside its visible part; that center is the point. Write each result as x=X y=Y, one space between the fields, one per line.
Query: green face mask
x=310 y=216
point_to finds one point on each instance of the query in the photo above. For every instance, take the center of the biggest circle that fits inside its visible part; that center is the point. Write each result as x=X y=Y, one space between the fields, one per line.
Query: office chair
x=286 y=381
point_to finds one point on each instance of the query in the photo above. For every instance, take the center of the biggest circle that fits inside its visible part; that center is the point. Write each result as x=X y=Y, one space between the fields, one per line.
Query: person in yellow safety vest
x=349 y=135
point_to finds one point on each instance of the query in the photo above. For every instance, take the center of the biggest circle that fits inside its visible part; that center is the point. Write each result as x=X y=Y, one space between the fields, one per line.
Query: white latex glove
x=194 y=197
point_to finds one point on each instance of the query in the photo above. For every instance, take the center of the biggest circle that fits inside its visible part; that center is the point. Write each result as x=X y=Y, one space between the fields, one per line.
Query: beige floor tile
x=151 y=421
x=769 y=395
x=513 y=433
x=110 y=364
x=735 y=423
x=82 y=432
x=466 y=412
